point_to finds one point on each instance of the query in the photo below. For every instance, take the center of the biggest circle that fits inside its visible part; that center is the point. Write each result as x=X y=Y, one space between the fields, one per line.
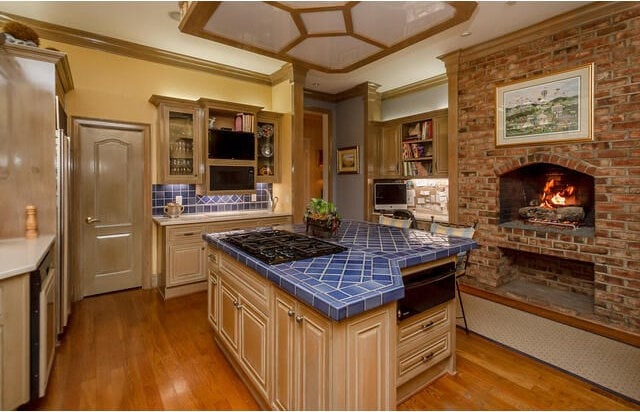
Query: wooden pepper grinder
x=31 y=224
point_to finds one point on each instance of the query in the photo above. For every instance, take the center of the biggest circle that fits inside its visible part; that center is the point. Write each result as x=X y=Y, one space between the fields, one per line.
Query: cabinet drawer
x=186 y=233
x=427 y=355
x=419 y=325
x=249 y=284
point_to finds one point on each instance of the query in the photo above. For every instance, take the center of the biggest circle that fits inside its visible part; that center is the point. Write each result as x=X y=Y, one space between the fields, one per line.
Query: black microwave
x=231 y=178
x=230 y=145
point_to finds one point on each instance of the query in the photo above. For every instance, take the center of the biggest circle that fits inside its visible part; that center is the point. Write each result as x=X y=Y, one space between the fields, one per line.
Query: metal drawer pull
x=237 y=305
x=427 y=325
x=427 y=357
x=188 y=234
x=299 y=318
x=290 y=312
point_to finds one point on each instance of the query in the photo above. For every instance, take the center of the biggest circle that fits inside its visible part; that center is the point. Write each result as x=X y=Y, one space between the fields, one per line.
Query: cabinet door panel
x=283 y=353
x=253 y=344
x=369 y=363
x=186 y=264
x=228 y=316
x=212 y=300
x=441 y=146
x=390 y=152
x=314 y=384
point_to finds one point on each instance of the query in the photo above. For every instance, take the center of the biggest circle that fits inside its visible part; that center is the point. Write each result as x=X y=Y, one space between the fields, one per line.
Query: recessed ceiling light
x=175 y=15
x=465 y=34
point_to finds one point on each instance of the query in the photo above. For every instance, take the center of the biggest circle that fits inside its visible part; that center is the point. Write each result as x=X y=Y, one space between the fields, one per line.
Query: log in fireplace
x=547 y=197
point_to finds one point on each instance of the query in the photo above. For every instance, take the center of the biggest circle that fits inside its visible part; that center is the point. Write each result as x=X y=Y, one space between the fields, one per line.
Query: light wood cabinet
x=426 y=345
x=302 y=361
x=182 y=254
x=236 y=122
x=268 y=147
x=181 y=148
x=212 y=290
x=244 y=322
x=183 y=260
x=14 y=341
x=390 y=165
x=414 y=146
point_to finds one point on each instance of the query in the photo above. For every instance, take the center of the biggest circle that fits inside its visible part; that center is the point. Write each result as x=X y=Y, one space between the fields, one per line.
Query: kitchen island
x=321 y=333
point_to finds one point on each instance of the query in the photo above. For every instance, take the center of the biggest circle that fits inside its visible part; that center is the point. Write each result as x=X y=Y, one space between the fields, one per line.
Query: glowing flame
x=554 y=195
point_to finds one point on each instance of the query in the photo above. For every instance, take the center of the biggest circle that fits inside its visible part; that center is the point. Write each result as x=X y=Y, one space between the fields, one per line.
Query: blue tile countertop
x=365 y=276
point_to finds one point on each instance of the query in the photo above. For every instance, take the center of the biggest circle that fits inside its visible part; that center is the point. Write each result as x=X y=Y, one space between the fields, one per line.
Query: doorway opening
x=317 y=149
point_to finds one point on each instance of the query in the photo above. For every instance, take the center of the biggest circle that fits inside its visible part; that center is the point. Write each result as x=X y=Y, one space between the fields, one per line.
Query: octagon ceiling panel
x=323 y=22
x=334 y=53
x=392 y=22
x=259 y=25
x=331 y=37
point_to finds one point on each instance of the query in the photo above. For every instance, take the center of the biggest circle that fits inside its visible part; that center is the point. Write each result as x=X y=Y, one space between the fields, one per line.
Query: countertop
x=365 y=276
x=215 y=217
x=20 y=255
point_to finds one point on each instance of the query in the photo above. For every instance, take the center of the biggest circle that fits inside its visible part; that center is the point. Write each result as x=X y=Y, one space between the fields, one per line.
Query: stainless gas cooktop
x=279 y=246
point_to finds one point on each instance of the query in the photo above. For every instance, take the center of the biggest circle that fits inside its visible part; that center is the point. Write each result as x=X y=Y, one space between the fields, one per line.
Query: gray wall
x=349 y=188
x=422 y=101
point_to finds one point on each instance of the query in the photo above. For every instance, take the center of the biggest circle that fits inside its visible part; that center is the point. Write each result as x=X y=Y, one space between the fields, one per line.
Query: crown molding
x=285 y=73
x=415 y=87
x=107 y=44
x=572 y=18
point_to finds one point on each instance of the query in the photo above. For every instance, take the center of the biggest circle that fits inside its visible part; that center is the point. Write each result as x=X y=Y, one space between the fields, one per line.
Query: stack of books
x=244 y=122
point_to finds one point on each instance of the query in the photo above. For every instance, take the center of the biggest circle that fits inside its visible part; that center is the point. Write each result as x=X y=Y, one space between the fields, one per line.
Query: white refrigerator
x=63 y=177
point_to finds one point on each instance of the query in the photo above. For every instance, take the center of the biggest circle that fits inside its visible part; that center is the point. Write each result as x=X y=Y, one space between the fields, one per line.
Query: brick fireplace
x=592 y=272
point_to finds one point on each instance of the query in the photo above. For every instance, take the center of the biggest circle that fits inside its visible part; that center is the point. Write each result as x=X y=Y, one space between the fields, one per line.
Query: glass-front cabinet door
x=268 y=157
x=180 y=149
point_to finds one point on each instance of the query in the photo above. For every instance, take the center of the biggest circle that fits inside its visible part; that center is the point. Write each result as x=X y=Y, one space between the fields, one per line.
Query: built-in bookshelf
x=414 y=146
x=417 y=148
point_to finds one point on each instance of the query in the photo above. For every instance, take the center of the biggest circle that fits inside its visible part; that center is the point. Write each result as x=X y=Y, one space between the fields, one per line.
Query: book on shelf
x=427 y=129
x=244 y=122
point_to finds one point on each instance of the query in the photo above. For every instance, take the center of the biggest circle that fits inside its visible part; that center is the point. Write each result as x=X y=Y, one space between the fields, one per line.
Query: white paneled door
x=110 y=200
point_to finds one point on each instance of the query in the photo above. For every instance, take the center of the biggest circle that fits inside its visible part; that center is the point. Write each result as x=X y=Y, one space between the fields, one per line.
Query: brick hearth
x=612 y=43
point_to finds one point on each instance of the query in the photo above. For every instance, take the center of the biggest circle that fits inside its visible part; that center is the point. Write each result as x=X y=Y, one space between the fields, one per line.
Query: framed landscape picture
x=348 y=161
x=553 y=108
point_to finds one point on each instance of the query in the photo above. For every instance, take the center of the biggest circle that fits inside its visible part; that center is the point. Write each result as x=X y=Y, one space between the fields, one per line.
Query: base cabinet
x=14 y=342
x=302 y=338
x=426 y=348
x=183 y=257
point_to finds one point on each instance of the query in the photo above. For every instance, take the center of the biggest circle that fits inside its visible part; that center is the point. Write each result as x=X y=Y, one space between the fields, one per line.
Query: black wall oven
x=426 y=289
x=231 y=177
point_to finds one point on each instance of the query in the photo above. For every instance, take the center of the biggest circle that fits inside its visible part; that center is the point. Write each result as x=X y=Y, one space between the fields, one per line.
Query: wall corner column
x=452 y=64
x=297 y=146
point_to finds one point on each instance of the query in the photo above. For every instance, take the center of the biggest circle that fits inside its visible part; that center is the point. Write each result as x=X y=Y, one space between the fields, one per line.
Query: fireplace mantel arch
x=569 y=163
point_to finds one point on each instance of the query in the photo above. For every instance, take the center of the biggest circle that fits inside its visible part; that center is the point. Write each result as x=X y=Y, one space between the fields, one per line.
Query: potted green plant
x=321 y=217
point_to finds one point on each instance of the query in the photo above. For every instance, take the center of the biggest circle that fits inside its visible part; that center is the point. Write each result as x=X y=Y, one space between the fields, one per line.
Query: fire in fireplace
x=547 y=195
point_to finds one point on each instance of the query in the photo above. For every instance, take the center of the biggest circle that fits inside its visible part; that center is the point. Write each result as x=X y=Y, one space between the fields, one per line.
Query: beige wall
x=113 y=87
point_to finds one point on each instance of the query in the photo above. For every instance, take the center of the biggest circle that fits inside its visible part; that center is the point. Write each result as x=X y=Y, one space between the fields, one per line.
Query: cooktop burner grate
x=279 y=246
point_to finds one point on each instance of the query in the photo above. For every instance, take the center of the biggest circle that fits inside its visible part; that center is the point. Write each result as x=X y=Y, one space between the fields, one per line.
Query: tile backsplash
x=194 y=203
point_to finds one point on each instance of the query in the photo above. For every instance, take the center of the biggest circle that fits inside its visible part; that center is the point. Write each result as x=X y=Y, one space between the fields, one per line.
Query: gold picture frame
x=554 y=108
x=348 y=160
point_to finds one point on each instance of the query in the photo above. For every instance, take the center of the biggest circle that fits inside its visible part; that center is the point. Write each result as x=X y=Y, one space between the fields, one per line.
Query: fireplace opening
x=548 y=197
x=559 y=284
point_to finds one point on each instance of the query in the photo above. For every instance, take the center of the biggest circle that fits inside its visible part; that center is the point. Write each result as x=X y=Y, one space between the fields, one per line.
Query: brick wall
x=612 y=43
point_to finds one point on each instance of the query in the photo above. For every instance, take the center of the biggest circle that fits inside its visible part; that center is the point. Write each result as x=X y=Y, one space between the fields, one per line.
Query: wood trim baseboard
x=584 y=324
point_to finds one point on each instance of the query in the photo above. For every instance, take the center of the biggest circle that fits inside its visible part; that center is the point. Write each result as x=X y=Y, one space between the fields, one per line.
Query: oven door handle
x=428 y=281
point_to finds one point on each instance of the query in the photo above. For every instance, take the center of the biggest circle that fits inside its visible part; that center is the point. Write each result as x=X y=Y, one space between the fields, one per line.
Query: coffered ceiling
x=390 y=55
x=331 y=37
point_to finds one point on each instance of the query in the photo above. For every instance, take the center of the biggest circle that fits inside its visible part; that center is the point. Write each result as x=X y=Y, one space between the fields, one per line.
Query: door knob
x=91 y=220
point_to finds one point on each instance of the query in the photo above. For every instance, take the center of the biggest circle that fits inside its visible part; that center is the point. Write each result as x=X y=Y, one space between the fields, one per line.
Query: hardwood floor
x=133 y=351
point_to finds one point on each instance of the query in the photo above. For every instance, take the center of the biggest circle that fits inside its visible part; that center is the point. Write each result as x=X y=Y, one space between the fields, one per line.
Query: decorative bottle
x=31 y=224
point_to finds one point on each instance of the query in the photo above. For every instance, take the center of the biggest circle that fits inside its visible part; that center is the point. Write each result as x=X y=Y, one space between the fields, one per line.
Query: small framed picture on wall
x=348 y=161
